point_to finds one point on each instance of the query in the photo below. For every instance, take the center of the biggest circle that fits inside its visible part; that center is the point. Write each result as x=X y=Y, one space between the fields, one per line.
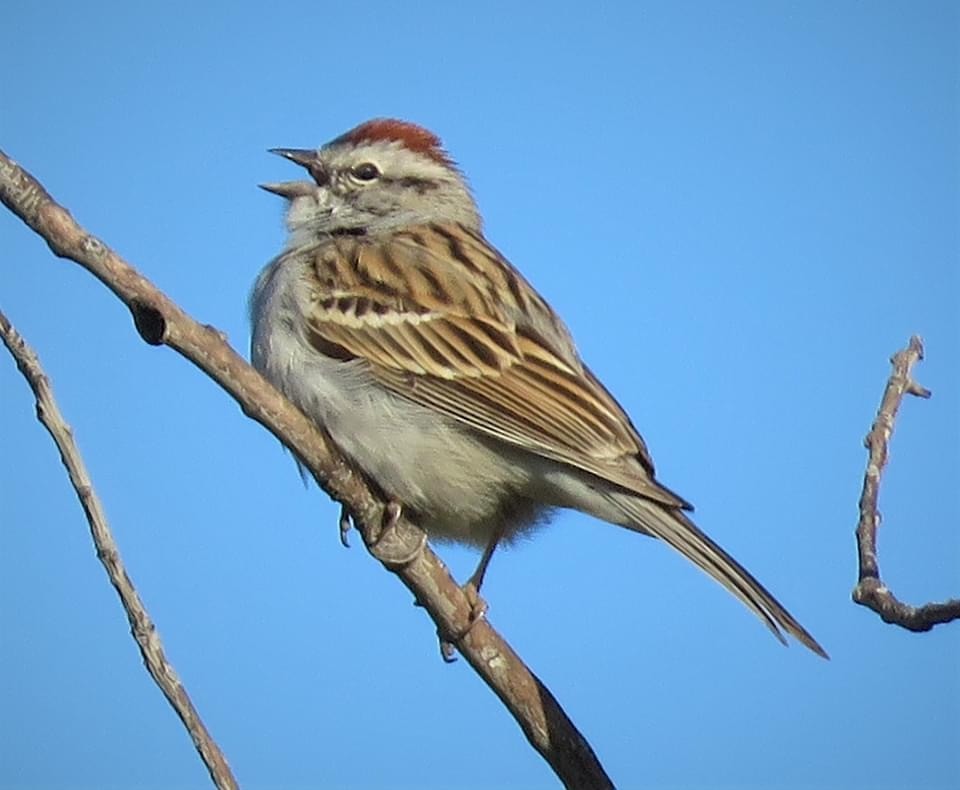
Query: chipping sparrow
x=439 y=370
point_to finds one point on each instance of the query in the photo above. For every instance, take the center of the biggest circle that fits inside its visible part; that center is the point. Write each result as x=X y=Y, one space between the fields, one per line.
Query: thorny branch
x=401 y=548
x=141 y=626
x=870 y=590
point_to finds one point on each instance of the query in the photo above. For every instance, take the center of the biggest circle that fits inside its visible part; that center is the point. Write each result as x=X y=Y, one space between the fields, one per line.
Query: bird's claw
x=345 y=524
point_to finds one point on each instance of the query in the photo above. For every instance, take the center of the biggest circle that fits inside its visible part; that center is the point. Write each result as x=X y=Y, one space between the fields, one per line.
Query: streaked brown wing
x=445 y=321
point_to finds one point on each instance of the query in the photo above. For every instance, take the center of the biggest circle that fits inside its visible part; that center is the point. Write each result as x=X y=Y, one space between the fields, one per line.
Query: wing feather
x=444 y=320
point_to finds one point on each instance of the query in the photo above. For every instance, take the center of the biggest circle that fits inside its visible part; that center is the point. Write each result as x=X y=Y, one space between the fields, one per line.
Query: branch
x=401 y=547
x=870 y=590
x=141 y=626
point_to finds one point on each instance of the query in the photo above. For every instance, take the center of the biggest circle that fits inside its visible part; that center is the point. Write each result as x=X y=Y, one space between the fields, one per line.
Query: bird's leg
x=345 y=526
x=478 y=606
x=472 y=588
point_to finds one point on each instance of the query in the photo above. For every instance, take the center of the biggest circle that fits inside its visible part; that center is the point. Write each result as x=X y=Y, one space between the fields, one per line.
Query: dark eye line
x=421 y=185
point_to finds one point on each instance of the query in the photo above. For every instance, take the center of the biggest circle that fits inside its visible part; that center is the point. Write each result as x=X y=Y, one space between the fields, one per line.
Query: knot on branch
x=149 y=321
x=91 y=245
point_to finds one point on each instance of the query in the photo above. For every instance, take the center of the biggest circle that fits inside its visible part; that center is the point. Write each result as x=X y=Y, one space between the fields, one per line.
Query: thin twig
x=870 y=590
x=141 y=626
x=402 y=549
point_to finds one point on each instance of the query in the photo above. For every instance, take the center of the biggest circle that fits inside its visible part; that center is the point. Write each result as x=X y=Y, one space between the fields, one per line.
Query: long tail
x=672 y=526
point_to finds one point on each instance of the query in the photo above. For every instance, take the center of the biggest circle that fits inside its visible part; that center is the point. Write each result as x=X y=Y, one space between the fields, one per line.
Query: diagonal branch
x=141 y=626
x=401 y=548
x=870 y=590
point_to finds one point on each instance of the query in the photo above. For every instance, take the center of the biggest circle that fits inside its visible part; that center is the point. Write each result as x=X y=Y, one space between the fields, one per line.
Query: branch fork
x=870 y=590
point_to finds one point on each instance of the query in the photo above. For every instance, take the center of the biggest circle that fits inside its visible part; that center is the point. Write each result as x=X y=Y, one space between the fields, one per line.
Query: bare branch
x=141 y=626
x=870 y=590
x=402 y=548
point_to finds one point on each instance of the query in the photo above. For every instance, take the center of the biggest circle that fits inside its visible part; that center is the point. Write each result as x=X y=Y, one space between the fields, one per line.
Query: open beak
x=290 y=189
x=301 y=156
x=293 y=189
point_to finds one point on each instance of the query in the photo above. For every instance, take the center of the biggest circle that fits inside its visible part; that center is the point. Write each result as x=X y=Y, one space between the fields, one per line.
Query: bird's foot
x=396 y=548
x=391 y=517
x=478 y=606
x=478 y=610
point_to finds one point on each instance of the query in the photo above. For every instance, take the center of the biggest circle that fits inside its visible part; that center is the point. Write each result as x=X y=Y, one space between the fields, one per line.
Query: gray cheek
x=302 y=211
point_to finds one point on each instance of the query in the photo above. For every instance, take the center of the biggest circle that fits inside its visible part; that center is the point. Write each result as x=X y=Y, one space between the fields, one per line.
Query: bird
x=433 y=365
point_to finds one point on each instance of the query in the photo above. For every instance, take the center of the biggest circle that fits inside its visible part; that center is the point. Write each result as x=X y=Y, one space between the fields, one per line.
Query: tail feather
x=675 y=529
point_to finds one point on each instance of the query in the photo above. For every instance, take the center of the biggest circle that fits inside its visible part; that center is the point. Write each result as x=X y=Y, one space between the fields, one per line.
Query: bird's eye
x=366 y=171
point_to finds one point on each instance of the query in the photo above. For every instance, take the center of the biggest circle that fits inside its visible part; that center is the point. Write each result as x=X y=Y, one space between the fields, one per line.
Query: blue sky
x=741 y=210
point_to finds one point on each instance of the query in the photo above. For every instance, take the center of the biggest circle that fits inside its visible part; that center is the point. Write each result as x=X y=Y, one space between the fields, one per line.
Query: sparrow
x=441 y=373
